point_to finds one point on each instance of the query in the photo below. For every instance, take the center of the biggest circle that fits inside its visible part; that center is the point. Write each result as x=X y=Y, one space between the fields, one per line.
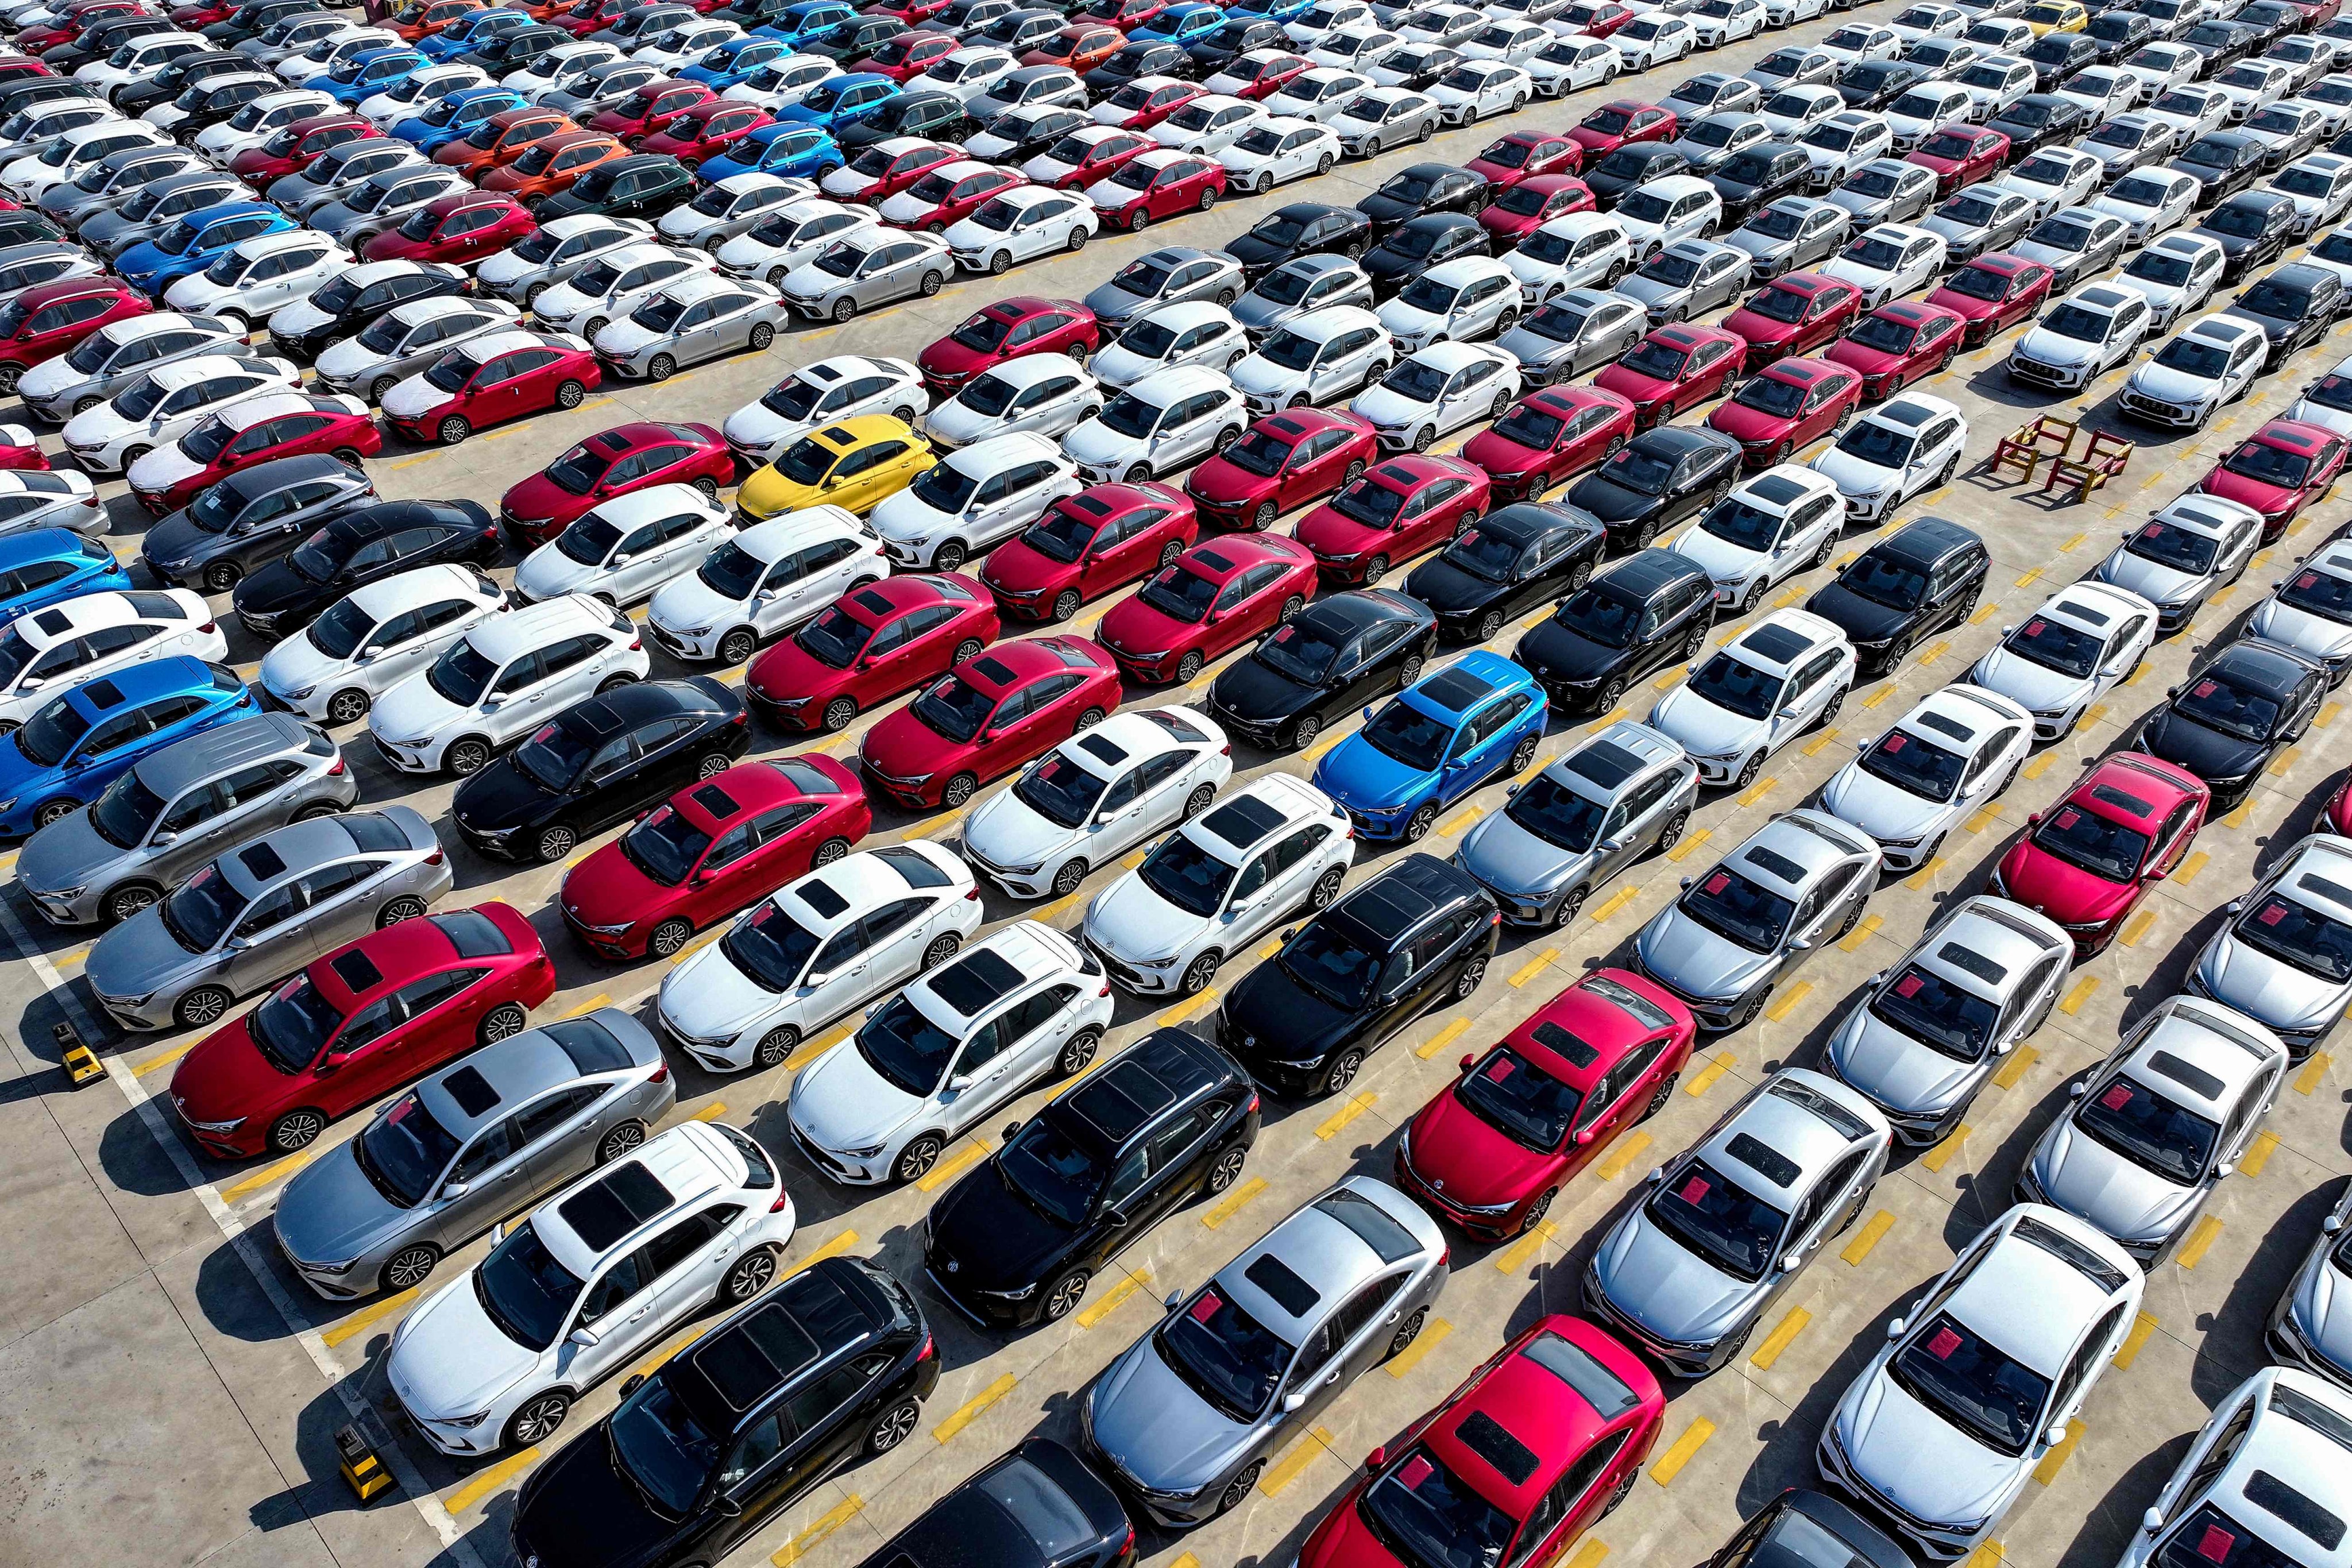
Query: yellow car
x=2055 y=17
x=857 y=464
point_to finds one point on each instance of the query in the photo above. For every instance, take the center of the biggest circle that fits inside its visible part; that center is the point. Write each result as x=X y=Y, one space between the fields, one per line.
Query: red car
x=1105 y=157
x=950 y=194
x=1960 y=155
x=20 y=449
x=1393 y=513
x=292 y=149
x=1087 y=546
x=1008 y=330
x=625 y=458
x=496 y=377
x=1795 y=313
x=503 y=138
x=635 y=116
x=2317 y=13
x=1548 y=436
x=1159 y=185
x=1127 y=15
x=2335 y=817
x=17 y=67
x=430 y=19
x=1524 y=154
x=707 y=130
x=37 y=41
x=2087 y=863
x=2278 y=470
x=1459 y=1156
x=1786 y=404
x=590 y=16
x=893 y=165
x=459 y=229
x=1210 y=599
x=716 y=848
x=1618 y=125
x=1674 y=368
x=1597 y=18
x=1273 y=74
x=1528 y=205
x=1993 y=293
x=50 y=319
x=1580 y=1414
x=1899 y=342
x=255 y=430
x=914 y=13
x=1144 y=103
x=910 y=55
x=354 y=1041
x=869 y=646
x=1284 y=460
x=940 y=749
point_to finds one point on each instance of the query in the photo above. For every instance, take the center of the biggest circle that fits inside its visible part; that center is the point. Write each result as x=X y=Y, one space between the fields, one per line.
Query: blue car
x=733 y=61
x=842 y=101
x=472 y=31
x=810 y=22
x=372 y=71
x=191 y=245
x=454 y=117
x=44 y=565
x=791 y=151
x=1182 y=22
x=1435 y=741
x=79 y=742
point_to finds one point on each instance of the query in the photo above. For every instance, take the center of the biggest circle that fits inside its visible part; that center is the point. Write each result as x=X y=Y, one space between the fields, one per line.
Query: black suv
x=640 y=185
x=2292 y=306
x=2252 y=228
x=1329 y=659
x=1638 y=164
x=1016 y=1241
x=137 y=97
x=1648 y=610
x=2233 y=714
x=934 y=114
x=361 y=546
x=2222 y=163
x=1037 y=1505
x=1919 y=580
x=1142 y=57
x=832 y=1365
x=1418 y=935
x=1524 y=555
x=2039 y=119
x=1756 y=176
x=1664 y=475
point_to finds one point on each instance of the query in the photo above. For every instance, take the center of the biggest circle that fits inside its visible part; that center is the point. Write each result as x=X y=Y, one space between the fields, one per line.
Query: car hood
x=294 y=664
x=2300 y=628
x=300 y=318
x=503 y=795
x=1694 y=961
x=1885 y=811
x=2151 y=580
x=1248 y=690
x=1503 y=855
x=413 y=710
x=548 y=573
x=1469 y=1160
x=330 y=1211
x=1862 y=620
x=626 y=337
x=580 y=1508
x=1150 y=1425
x=1383 y=406
x=2035 y=686
x=415 y=397
x=1704 y=728
x=1850 y=473
x=65 y=854
x=1137 y=924
x=2239 y=975
x=161 y=468
x=1361 y=774
x=842 y=1103
x=448 y=1359
x=1893 y=1069
x=1916 y=1458
x=1722 y=560
x=2091 y=1181
x=349 y=359
x=1271 y=1013
x=1007 y=831
x=1612 y=502
x=1554 y=652
x=1110 y=302
x=136 y=957
x=707 y=998
x=1665 y=1287
x=2207 y=753
x=2169 y=385
x=995 y=1239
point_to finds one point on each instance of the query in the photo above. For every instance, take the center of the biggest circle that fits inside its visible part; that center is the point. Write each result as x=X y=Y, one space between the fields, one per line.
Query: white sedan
x=1476 y=88
x=824 y=393
x=1441 y=388
x=157 y=408
x=1571 y=63
x=1021 y=225
x=787 y=240
x=1889 y=261
x=621 y=550
x=374 y=638
x=1277 y=150
x=1935 y=767
x=2211 y=361
x=1721 y=22
x=2083 y=640
x=2320 y=186
x=1654 y=40
x=2151 y=201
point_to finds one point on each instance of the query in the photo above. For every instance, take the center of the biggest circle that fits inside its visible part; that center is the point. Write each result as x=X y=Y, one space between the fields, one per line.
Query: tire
x=1612 y=692
x=1375 y=569
x=1137 y=473
x=408 y=1268
x=661 y=367
x=1423 y=438
x=132 y=454
x=829 y=851
x=130 y=898
x=407 y=907
x=1199 y=973
x=296 y=1130
x=959 y=790
x=1830 y=711
x=554 y=843
x=223 y=575
x=1372 y=150
x=1659 y=1096
x=1303 y=734
x=711 y=766
x=1326 y=888
x=1188 y=668
x=531 y=295
x=571 y=395
x=1064 y=1296
x=1673 y=832
x=203 y=1008
x=1078 y=1052
x=1078 y=238
x=502 y=1022
x=949 y=555
x=1263 y=519
x=1068 y=875
x=349 y=456
x=844 y=308
x=669 y=936
x=1090 y=718
x=1418 y=825
x=10 y=375
x=917 y=1157
x=709 y=489
x=1222 y=1174
x=1238 y=1489
x=1341 y=1072
x=348 y=706
x=1537 y=1209
x=839 y=713
x=1754 y=765
x=1407 y=1331
x=943 y=947
x=454 y=429
x=1664 y=416
x=381 y=385
x=1472 y=974
x=737 y=646
x=893 y=1426
x=622 y=1139
x=1522 y=755
x=999 y=264
x=537 y=1421
x=753 y=1272
x=1410 y=671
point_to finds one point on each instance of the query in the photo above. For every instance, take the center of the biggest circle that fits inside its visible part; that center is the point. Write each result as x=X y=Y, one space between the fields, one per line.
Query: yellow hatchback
x=2050 y=16
x=857 y=464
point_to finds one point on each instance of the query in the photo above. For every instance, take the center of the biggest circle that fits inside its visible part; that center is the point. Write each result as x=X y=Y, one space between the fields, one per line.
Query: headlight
x=1028 y=870
x=611 y=930
x=68 y=892
x=699 y=632
x=1020 y=1295
x=863 y=1151
x=231 y=1125
x=465 y=1422
x=1168 y=963
x=1307 y=1066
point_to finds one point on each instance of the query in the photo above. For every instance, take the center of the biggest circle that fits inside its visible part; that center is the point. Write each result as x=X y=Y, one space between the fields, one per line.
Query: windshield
x=293 y=1025
x=2301 y=936
x=660 y=1447
x=834 y=638
x=1784 y=305
x=1881 y=445
x=1426 y=1516
x=1977 y=282
x=403 y=1150
x=1937 y=1014
x=905 y=1047
x=126 y=811
x=2320 y=593
x=1915 y=766
x=1948 y=1367
x=1052 y=1171
x=1483 y=553
x=342 y=629
x=524 y=1291
x=1290 y=350
x=772 y=949
x=2148 y=1129
x=199 y=911
x=461 y=674
x=2096 y=843
x=1718 y=1220
x=1225 y=1354
x=2224 y=704
x=954 y=708
x=1730 y=905
x=1638 y=469
x=1405 y=733
x=664 y=846
x=1599 y=614
x=1301 y=651
x=1517 y=1099
x=1187 y=876
x=1736 y=521
x=2166 y=543
x=1730 y=683
x=1061 y=791
x=1644 y=207
x=1782 y=399
x=1331 y=965
x=2054 y=645
x=556 y=753
x=1882 y=580
x=2269 y=465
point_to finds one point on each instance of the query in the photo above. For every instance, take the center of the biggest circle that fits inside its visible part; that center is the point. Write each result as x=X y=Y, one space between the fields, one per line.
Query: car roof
x=209 y=754
x=1784 y=638
x=517 y=631
x=1314 y=1248
x=1988 y=946
x=2286 y=1450
x=1925 y=541
x=831 y=897
x=2029 y=1300
x=2258 y=661
x=1524 y=1412
x=1246 y=817
x=1382 y=911
x=1806 y=1119
x=418 y=587
x=1004 y=964
x=607 y=1211
x=1963 y=714
x=1807 y=842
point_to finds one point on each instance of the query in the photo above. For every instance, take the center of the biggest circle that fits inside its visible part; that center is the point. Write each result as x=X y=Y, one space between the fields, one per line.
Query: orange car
x=502 y=138
x=424 y=21
x=1081 y=47
x=548 y=167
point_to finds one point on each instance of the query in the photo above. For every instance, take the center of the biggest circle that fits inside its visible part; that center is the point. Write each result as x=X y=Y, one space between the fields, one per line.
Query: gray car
x=1727 y=1226
x=2311 y=1327
x=1711 y=141
x=253 y=916
x=482 y=1139
x=1886 y=190
x=1623 y=791
x=2280 y=960
x=868 y=268
x=699 y=317
x=2155 y=1128
x=1301 y=284
x=603 y=85
x=1350 y=1278
x=290 y=36
x=1791 y=234
x=157 y=207
x=39 y=261
x=113 y=180
x=341 y=172
x=1688 y=279
x=177 y=808
x=406 y=339
x=524 y=271
x=1166 y=276
x=119 y=353
x=1980 y=219
x=383 y=200
x=1576 y=330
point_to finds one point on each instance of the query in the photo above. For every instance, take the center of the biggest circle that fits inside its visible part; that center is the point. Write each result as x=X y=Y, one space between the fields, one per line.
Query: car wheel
x=661 y=367
x=844 y=308
x=1302 y=735
x=1522 y=755
x=223 y=575
x=951 y=555
x=1612 y=692
x=348 y=706
x=1672 y=834
x=1407 y=1331
x=1469 y=981
x=753 y=1272
x=959 y=790
x=917 y=1157
x=10 y=375
x=1341 y=1072
x=1137 y=473
x=455 y=428
x=130 y=898
x=381 y=385
x=538 y=1420
x=711 y=766
x=501 y=1022
x=737 y=646
x=1222 y=1173
x=1537 y=1209
x=1747 y=771
x=1090 y=718
x=1416 y=828
x=54 y=811
x=409 y=1268
x=1079 y=1052
x=893 y=1427
x=1423 y=438
x=1068 y=877
x=132 y=454
x=571 y=395
x=555 y=842
x=1647 y=534
x=297 y=1130
x=1188 y=668
x=407 y=907
x=1837 y=701
x=1199 y=973
x=1326 y=888
x=930 y=284
x=762 y=336
x=1078 y=238
x=201 y=1008
x=839 y=713
x=1659 y=1096
x=1067 y=1293
x=942 y=947
x=1375 y=569
x=1371 y=146
x=669 y=936
x=775 y=1046
x=1238 y=1489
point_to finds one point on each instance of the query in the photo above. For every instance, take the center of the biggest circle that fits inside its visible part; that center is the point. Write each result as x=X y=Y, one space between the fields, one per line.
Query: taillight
x=972 y=896
x=636 y=642
x=1445 y=1255
x=742 y=718
x=783 y=1201
x=1254 y=1104
x=930 y=1348
x=208 y=627
x=661 y=1074
x=433 y=858
x=337 y=771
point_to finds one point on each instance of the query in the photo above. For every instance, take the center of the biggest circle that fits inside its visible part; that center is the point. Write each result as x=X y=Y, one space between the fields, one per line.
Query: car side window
x=524 y=671
x=198 y=805
x=1589 y=1467
x=498 y=1141
x=614 y=1287
x=690 y=1236
x=1365 y=1305
x=754 y=1451
x=271 y=910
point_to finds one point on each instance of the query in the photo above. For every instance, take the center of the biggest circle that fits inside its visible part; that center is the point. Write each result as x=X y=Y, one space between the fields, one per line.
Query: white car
x=763 y=581
x=325 y=55
x=2083 y=641
x=419 y=91
x=260 y=275
x=1442 y=23
x=1047 y=394
x=619 y=551
x=973 y=497
x=1786 y=13
x=1321 y=95
x=1441 y=388
x=1859 y=41
x=1329 y=351
x=259 y=121
x=42 y=498
x=367 y=642
x=2178 y=558
x=1779 y=678
x=1907 y=445
x=1924 y=109
x=815 y=950
x=612 y=287
x=2275 y=962
x=2082 y=337
x=784 y=82
x=1720 y=22
x=2278 y=1435
x=1021 y=1004
x=2194 y=109
x=1711 y=141
x=1997 y=81
x=1163 y=423
x=2311 y=609
x=2286 y=128
x=244 y=427
x=405 y=340
x=83 y=638
x=2178 y=274
x=1476 y=88
x=1694 y=97
x=1842 y=144
x=595 y=1279
x=2056 y=178
x=1567 y=64
x=1656 y=39
x=1794 y=110
x=1207 y=125
x=1195 y=331
x=157 y=408
x=2151 y=201
x=2320 y=186
x=683 y=44
x=1916 y=24
x=2104 y=91
x=1021 y=225
x=501 y=681
x=1379 y=116
x=1467 y=297
x=2159 y=66
x=1095 y=797
x=912 y=207
x=968 y=72
x=558 y=67
x=1277 y=150
x=784 y=240
x=2251 y=84
x=1569 y=252
x=1207 y=890
x=2211 y=361
x=2037 y=1305
x=1517 y=43
x=138 y=59
x=1956 y=751
x=733 y=205
x=825 y=392
x=1888 y=260
x=1353 y=50
x=37 y=172
x=1771 y=526
x=1659 y=213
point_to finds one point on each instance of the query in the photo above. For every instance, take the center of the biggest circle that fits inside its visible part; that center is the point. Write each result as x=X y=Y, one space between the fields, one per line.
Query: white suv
x=374 y=638
x=973 y=497
x=1784 y=520
x=621 y=550
x=822 y=394
x=1163 y=423
x=503 y=679
x=1779 y=678
x=1906 y=445
x=771 y=577
x=58 y=648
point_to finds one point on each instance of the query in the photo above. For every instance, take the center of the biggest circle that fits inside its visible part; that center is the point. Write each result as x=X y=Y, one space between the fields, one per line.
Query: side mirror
x=2330 y=1226
x=328 y=1065
x=1801 y=944
x=163 y=840
x=1469 y=1061
x=726 y=1505
x=2223 y=1169
x=1290 y=931
x=815 y=978
x=1657 y=1174
x=239 y=943
x=2077 y=1090
x=2033 y=819
x=1368 y=715
x=1585 y=1135
x=1895 y=1329
x=1114 y=1216
x=1687 y=881
x=961 y=1081
x=457 y=1189
x=498 y=1232
x=1376 y=1459
x=1175 y=1298
x=584 y=1336
x=2055 y=1436
x=1010 y=1129
x=32 y=683
x=1292 y=1403
x=1791 y=1262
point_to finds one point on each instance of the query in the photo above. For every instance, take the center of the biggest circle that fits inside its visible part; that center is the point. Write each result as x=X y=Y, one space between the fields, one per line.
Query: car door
x=269 y=940
x=684 y=1263
x=1362 y=1330
x=884 y=949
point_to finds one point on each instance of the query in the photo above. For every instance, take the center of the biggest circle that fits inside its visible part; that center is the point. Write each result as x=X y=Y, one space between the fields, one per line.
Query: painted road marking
x=1704 y=1080
x=1112 y=1299
x=1615 y=901
x=1459 y=821
x=1335 y=1123
x=1934 y=653
x=1534 y=967
x=2084 y=990
x=2283 y=761
x=359 y=1322
x=1310 y=1447
x=2093 y=713
x=1625 y=1154
x=1925 y=877
x=2030 y=578
x=1689 y=844
x=1233 y=1202
x=1514 y=1257
x=1879 y=696
x=2142 y=1327
x=1984 y=613
x=1177 y=1014
x=599 y=1000
x=1269 y=950
x=973 y=1408
x=1821 y=743
x=2021 y=1061
x=2258 y=1153
x=710 y=1113
x=945 y=1171
x=2141 y=924
x=2041 y=764
x=1590 y=1554
x=1432 y=1334
x=1778 y=1011
x=1759 y=790
x=1859 y=934
x=1442 y=1038
x=1936 y=1159
x=490 y=1480
x=159 y=1063
x=818 y=1046
x=272 y=1172
x=2239 y=817
x=2313 y=1072
x=2192 y=1252
x=1873 y=1230
x=2070 y=544
x=2046 y=1472
x=832 y=1518
x=2191 y=867
x=1782 y=1336
x=1686 y=1447
x=833 y=1249
x=1984 y=818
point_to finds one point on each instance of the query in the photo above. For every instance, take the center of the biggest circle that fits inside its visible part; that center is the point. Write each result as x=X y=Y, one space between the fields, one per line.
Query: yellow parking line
x=1794 y=998
x=1984 y=613
x=2082 y=991
x=2192 y=1251
x=158 y=1064
x=1934 y=653
x=1925 y=877
x=1184 y=1010
x=68 y=959
x=2328 y=716
x=272 y=1172
x=2191 y=867
x=2141 y=923
x=833 y=1249
x=817 y=1047
x=2129 y=1352
x=1132 y=861
x=1625 y=1154
x=1110 y=1299
x=832 y=1518
x=2283 y=762
x=590 y=1006
x=1514 y=1257
x=964 y=1156
x=1704 y=1080
x=1686 y=1447
x=1936 y=1159
x=2237 y=818
x=1821 y=743
x=358 y=1322
x=1310 y=1447
x=973 y=1408
x=2030 y=578
x=2093 y=713
x=1984 y=818
x=1615 y=901
x=711 y=1112
x=1442 y=1038
x=2056 y=1459
x=1315 y=753
x=1589 y=1555
x=1233 y=1202
x=2313 y=1072
x=1873 y=1230
x=1759 y=790
x=1669 y=678
x=2070 y=544
x=2021 y=1061
x=1187 y=1561
x=1689 y=844
x=1782 y=1336
x=2137 y=676
x=1432 y=1334
x=1333 y=1124
x=697 y=944
x=1269 y=950
x=1859 y=934
x=1879 y=696
x=2041 y=764
x=1459 y=821
x=1534 y=967
x=2258 y=1153
x=490 y=1480
x=409 y=462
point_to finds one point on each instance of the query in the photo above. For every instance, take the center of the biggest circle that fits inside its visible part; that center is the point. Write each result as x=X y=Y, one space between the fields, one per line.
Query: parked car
x=2086 y=864
x=1769 y=684
x=1923 y=578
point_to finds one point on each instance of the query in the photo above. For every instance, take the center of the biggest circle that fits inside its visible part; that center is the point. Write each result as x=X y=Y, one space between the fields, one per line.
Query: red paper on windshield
x=1414 y=1471
x=1895 y=742
x=2118 y=1097
x=2273 y=915
x=2203 y=688
x=2068 y=817
x=2034 y=628
x=1909 y=986
x=2215 y=1544
x=1501 y=1069
x=1943 y=1344
x=1719 y=881
x=1695 y=1189
x=1207 y=1307
x=2307 y=580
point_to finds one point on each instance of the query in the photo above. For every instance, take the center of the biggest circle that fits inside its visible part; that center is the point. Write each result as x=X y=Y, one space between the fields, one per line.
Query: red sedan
x=869 y=646
x=20 y=449
x=1674 y=368
x=1144 y=103
x=1793 y=314
x=292 y=149
x=716 y=848
x=707 y=130
x=988 y=716
x=1393 y=513
x=1524 y=154
x=589 y=17
x=50 y=319
x=1008 y=330
x=635 y=115
x=1087 y=546
x=1492 y=1149
x=1210 y=599
x=37 y=41
x=2335 y=817
x=1127 y=15
x=1993 y=293
x=914 y=13
x=492 y=379
x=430 y=19
x=502 y=138
x=1548 y=436
x=1080 y=48
x=1621 y=123
x=1960 y=155
x=2278 y=470
x=256 y=430
x=947 y=195
x=1528 y=205
x=1159 y=185
x=459 y=229
x=352 y=1052
x=1580 y=1414
x=616 y=462
x=1597 y=18
x=889 y=167
x=1284 y=460
x=1273 y=75
x=2087 y=863
x=1785 y=405
x=1897 y=343
x=1104 y=156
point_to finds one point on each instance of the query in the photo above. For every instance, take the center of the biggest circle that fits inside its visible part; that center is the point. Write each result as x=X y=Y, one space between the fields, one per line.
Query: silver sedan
x=697 y=317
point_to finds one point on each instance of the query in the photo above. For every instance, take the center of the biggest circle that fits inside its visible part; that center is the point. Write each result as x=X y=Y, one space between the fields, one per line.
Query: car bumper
x=1032 y=885
x=333 y=1284
x=1931 y=1544
x=1143 y=982
x=1679 y=1360
x=458 y=1442
x=1713 y=1013
x=2171 y=415
x=1485 y=1226
x=1382 y=826
x=419 y=758
x=242 y=1143
x=701 y=648
x=840 y=1168
x=2058 y=377
x=62 y=911
x=730 y=1055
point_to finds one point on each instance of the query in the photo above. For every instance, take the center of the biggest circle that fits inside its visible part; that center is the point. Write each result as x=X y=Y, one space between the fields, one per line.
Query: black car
x=2056 y=57
x=2292 y=306
x=832 y=1365
x=1925 y=576
x=138 y=96
x=251 y=19
x=249 y=519
x=101 y=40
x=1755 y=177
x=1422 y=188
x=2223 y=162
x=854 y=40
x=516 y=49
x=1420 y=65
x=1874 y=84
x=1038 y=1507
x=2270 y=20
x=1664 y=475
x=1231 y=39
x=1033 y=132
x=2234 y=713
x=20 y=227
x=1649 y=610
x=1017 y=1241
x=2039 y=119
x=2251 y=228
x=1526 y=554
x=1301 y=228
x=1021 y=30
x=598 y=762
x=1420 y=243
x=749 y=14
x=214 y=98
x=358 y=547
x=2119 y=34
x=1136 y=59
x=2221 y=43
x=1632 y=165
x=640 y=185
x=1418 y=936
x=935 y=115
x=350 y=306
x=1810 y=1530
x=1324 y=663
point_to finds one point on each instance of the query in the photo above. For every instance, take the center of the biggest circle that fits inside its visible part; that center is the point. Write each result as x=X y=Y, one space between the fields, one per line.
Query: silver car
x=1339 y=1287
x=1978 y=220
x=542 y=259
x=1166 y=276
x=482 y=1139
x=1688 y=279
x=1791 y=234
x=867 y=269
x=117 y=355
x=383 y=200
x=2310 y=1326
x=255 y=915
x=734 y=205
x=2286 y=961
x=1303 y=283
x=177 y=808
x=113 y=180
x=1576 y=330
x=405 y=340
x=2311 y=609
x=697 y=317
x=2155 y=1127
x=1926 y=1034
x=39 y=261
x=341 y=172
x=157 y=206
x=1728 y=1225
x=1623 y=791
x=1797 y=884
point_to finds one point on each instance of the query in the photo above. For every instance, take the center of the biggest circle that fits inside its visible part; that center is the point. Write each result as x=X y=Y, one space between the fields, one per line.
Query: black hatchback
x=1299 y=228
x=1140 y=59
x=1420 y=188
x=1331 y=658
x=1755 y=177
x=934 y=114
x=1037 y=1507
x=1418 y=936
x=1523 y=555
x=1664 y=475
x=1231 y=38
x=2234 y=713
x=1418 y=244
x=361 y=546
x=1017 y=1241
x=1648 y=610
x=1925 y=576
x=2039 y=120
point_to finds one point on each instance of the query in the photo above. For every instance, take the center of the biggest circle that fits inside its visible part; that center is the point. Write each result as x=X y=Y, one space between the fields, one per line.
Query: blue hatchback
x=79 y=742
x=191 y=245
x=372 y=71
x=841 y=101
x=44 y=565
x=468 y=31
x=454 y=116
x=734 y=61
x=1435 y=741
x=810 y=22
x=792 y=151
x=1182 y=22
